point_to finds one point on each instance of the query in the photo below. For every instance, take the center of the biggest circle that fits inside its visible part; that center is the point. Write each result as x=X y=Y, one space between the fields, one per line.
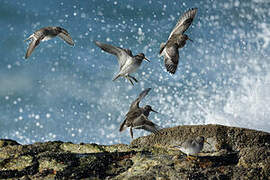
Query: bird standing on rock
x=176 y=40
x=192 y=146
x=45 y=34
x=137 y=117
x=127 y=62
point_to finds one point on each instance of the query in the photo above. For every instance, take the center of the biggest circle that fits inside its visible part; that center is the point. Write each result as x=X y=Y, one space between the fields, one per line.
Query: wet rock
x=255 y=158
x=233 y=153
x=18 y=163
x=7 y=142
x=220 y=137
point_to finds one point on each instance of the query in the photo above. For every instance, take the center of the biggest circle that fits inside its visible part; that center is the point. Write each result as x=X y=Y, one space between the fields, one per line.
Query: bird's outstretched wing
x=184 y=22
x=66 y=37
x=128 y=51
x=171 y=58
x=130 y=116
x=135 y=104
x=33 y=44
x=142 y=122
x=117 y=51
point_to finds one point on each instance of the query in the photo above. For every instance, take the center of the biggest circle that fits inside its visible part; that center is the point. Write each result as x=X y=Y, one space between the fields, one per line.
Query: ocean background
x=67 y=93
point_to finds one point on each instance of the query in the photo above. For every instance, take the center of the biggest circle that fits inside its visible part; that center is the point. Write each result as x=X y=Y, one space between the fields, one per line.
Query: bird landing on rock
x=137 y=117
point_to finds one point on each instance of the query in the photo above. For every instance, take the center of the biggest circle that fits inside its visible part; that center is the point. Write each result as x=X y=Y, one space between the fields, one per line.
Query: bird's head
x=148 y=108
x=141 y=56
x=185 y=37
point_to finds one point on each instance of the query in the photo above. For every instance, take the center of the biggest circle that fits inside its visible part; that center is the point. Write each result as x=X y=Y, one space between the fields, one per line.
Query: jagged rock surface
x=233 y=153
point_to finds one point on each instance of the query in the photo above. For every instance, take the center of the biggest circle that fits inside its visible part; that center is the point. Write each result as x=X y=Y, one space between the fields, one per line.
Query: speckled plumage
x=45 y=34
x=192 y=146
x=176 y=40
x=137 y=117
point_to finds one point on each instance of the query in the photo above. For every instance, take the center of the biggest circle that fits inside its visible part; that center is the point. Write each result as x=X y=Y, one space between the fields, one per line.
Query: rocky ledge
x=233 y=153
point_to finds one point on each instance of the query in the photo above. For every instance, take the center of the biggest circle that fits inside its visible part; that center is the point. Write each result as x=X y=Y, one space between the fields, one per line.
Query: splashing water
x=64 y=93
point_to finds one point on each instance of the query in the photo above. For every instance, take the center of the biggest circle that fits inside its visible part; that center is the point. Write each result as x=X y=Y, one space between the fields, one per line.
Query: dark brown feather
x=135 y=104
x=177 y=40
x=184 y=22
x=171 y=58
x=137 y=116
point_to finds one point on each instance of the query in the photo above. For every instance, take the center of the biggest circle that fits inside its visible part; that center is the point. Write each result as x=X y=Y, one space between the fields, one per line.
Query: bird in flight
x=176 y=40
x=45 y=34
x=127 y=62
x=137 y=117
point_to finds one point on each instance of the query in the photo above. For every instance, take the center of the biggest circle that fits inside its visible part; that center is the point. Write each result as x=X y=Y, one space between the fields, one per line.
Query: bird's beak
x=154 y=110
x=190 y=39
x=146 y=59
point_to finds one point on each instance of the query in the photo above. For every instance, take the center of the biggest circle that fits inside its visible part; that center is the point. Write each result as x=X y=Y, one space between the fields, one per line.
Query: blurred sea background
x=66 y=93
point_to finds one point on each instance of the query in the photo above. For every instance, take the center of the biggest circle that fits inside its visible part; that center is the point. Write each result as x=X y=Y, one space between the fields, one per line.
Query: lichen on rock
x=233 y=153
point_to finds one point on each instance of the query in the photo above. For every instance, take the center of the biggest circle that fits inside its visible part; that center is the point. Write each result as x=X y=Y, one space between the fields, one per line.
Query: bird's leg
x=133 y=78
x=130 y=80
x=131 y=132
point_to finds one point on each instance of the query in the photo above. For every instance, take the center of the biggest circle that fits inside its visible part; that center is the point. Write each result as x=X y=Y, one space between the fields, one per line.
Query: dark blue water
x=66 y=93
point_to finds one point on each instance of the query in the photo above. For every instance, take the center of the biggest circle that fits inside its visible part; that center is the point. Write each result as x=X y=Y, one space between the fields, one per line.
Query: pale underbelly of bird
x=191 y=150
x=128 y=69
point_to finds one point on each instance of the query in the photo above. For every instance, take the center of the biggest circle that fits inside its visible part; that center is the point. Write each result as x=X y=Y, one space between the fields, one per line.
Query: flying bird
x=45 y=34
x=127 y=62
x=176 y=40
x=137 y=117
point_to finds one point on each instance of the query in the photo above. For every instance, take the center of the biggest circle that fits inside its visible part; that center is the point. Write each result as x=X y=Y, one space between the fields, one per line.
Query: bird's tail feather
x=158 y=127
x=30 y=37
x=162 y=46
x=116 y=77
x=122 y=126
x=156 y=131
